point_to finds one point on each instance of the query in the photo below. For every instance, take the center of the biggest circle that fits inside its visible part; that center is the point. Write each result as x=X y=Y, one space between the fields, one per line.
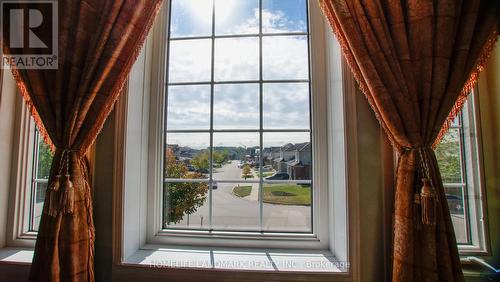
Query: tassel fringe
x=351 y=62
x=121 y=81
x=67 y=202
x=428 y=203
x=54 y=196
x=469 y=85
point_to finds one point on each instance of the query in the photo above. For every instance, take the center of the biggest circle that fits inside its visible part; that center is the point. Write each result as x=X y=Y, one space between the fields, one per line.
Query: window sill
x=311 y=261
x=16 y=255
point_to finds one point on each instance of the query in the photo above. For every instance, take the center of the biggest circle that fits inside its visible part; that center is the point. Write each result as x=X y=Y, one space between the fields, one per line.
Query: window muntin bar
x=260 y=152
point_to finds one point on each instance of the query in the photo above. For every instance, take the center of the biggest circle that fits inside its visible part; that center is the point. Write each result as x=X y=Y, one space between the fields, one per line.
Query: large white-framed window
x=237 y=116
x=459 y=156
x=141 y=122
x=238 y=147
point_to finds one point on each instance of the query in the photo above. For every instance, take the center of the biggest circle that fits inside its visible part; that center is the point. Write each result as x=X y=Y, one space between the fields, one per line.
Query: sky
x=236 y=106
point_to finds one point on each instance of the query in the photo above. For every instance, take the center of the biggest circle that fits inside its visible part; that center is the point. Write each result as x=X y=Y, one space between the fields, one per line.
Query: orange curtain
x=416 y=61
x=98 y=42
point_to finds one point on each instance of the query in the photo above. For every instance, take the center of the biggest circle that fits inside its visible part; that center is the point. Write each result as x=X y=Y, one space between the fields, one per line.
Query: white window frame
x=22 y=164
x=139 y=123
x=318 y=239
x=475 y=198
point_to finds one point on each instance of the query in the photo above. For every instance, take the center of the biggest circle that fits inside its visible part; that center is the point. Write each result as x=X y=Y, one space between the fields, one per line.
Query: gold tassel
x=68 y=197
x=428 y=203
x=53 y=196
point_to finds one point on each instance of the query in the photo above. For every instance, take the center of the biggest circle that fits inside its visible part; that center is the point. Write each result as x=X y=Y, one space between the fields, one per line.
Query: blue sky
x=236 y=106
x=194 y=17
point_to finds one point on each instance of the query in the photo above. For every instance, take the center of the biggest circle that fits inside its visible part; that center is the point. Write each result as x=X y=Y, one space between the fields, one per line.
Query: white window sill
x=237 y=259
x=16 y=255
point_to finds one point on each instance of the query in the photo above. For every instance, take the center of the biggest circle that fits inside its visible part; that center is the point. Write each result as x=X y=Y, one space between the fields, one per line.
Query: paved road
x=231 y=212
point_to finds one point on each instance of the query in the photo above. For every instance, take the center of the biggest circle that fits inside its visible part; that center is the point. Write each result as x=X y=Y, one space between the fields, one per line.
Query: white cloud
x=236 y=106
x=236 y=59
x=284 y=57
x=189 y=60
x=188 y=107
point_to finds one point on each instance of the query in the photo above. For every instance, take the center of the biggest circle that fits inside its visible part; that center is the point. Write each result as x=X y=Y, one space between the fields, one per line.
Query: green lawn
x=287 y=194
x=266 y=174
x=242 y=191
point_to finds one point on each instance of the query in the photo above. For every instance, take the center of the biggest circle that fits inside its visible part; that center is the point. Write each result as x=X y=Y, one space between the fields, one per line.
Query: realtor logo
x=30 y=30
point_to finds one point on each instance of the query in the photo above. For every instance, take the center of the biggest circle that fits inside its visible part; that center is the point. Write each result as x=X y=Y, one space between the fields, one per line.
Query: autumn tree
x=220 y=156
x=182 y=198
x=246 y=171
x=201 y=161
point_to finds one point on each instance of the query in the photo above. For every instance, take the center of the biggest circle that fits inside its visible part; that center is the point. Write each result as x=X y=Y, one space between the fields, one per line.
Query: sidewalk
x=254 y=194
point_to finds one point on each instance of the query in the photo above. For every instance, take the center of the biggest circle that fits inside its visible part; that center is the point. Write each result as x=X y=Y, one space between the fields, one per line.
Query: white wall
x=8 y=99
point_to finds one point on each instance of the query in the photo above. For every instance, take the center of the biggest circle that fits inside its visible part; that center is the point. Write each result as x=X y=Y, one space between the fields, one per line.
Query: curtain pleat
x=98 y=42
x=416 y=61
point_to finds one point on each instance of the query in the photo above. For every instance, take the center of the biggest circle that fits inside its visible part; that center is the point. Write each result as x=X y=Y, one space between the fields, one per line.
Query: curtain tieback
x=62 y=198
x=426 y=197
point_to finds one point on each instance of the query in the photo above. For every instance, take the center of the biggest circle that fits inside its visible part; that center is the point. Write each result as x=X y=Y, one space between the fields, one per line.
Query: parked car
x=279 y=176
x=202 y=170
x=455 y=204
x=214 y=185
x=190 y=168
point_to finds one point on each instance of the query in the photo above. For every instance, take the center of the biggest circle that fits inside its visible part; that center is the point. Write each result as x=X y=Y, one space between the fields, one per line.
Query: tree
x=448 y=157
x=201 y=161
x=44 y=160
x=182 y=198
x=220 y=156
x=246 y=171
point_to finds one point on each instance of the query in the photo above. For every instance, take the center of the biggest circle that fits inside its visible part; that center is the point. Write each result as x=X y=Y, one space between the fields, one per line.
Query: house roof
x=304 y=147
x=288 y=147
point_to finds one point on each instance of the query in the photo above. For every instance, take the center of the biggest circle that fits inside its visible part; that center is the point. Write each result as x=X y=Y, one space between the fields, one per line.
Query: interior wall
x=371 y=193
x=8 y=97
x=489 y=107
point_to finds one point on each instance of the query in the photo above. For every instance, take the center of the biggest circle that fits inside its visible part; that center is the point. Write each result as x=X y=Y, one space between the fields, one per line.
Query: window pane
x=189 y=60
x=188 y=107
x=41 y=171
x=286 y=105
x=185 y=205
x=187 y=155
x=236 y=17
x=39 y=197
x=456 y=121
x=455 y=199
x=233 y=153
x=236 y=206
x=236 y=59
x=191 y=18
x=236 y=106
x=285 y=57
x=284 y=16
x=448 y=154
x=44 y=159
x=287 y=207
x=289 y=153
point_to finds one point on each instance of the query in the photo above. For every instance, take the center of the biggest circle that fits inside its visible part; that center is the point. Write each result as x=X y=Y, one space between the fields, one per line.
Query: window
x=227 y=143
x=42 y=160
x=238 y=152
x=459 y=160
x=32 y=159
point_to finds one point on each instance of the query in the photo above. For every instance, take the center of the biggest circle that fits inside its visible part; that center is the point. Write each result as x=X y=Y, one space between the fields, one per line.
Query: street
x=234 y=213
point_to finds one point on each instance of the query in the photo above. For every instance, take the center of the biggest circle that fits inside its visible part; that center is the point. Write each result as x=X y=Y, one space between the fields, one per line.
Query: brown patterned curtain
x=98 y=42
x=416 y=61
